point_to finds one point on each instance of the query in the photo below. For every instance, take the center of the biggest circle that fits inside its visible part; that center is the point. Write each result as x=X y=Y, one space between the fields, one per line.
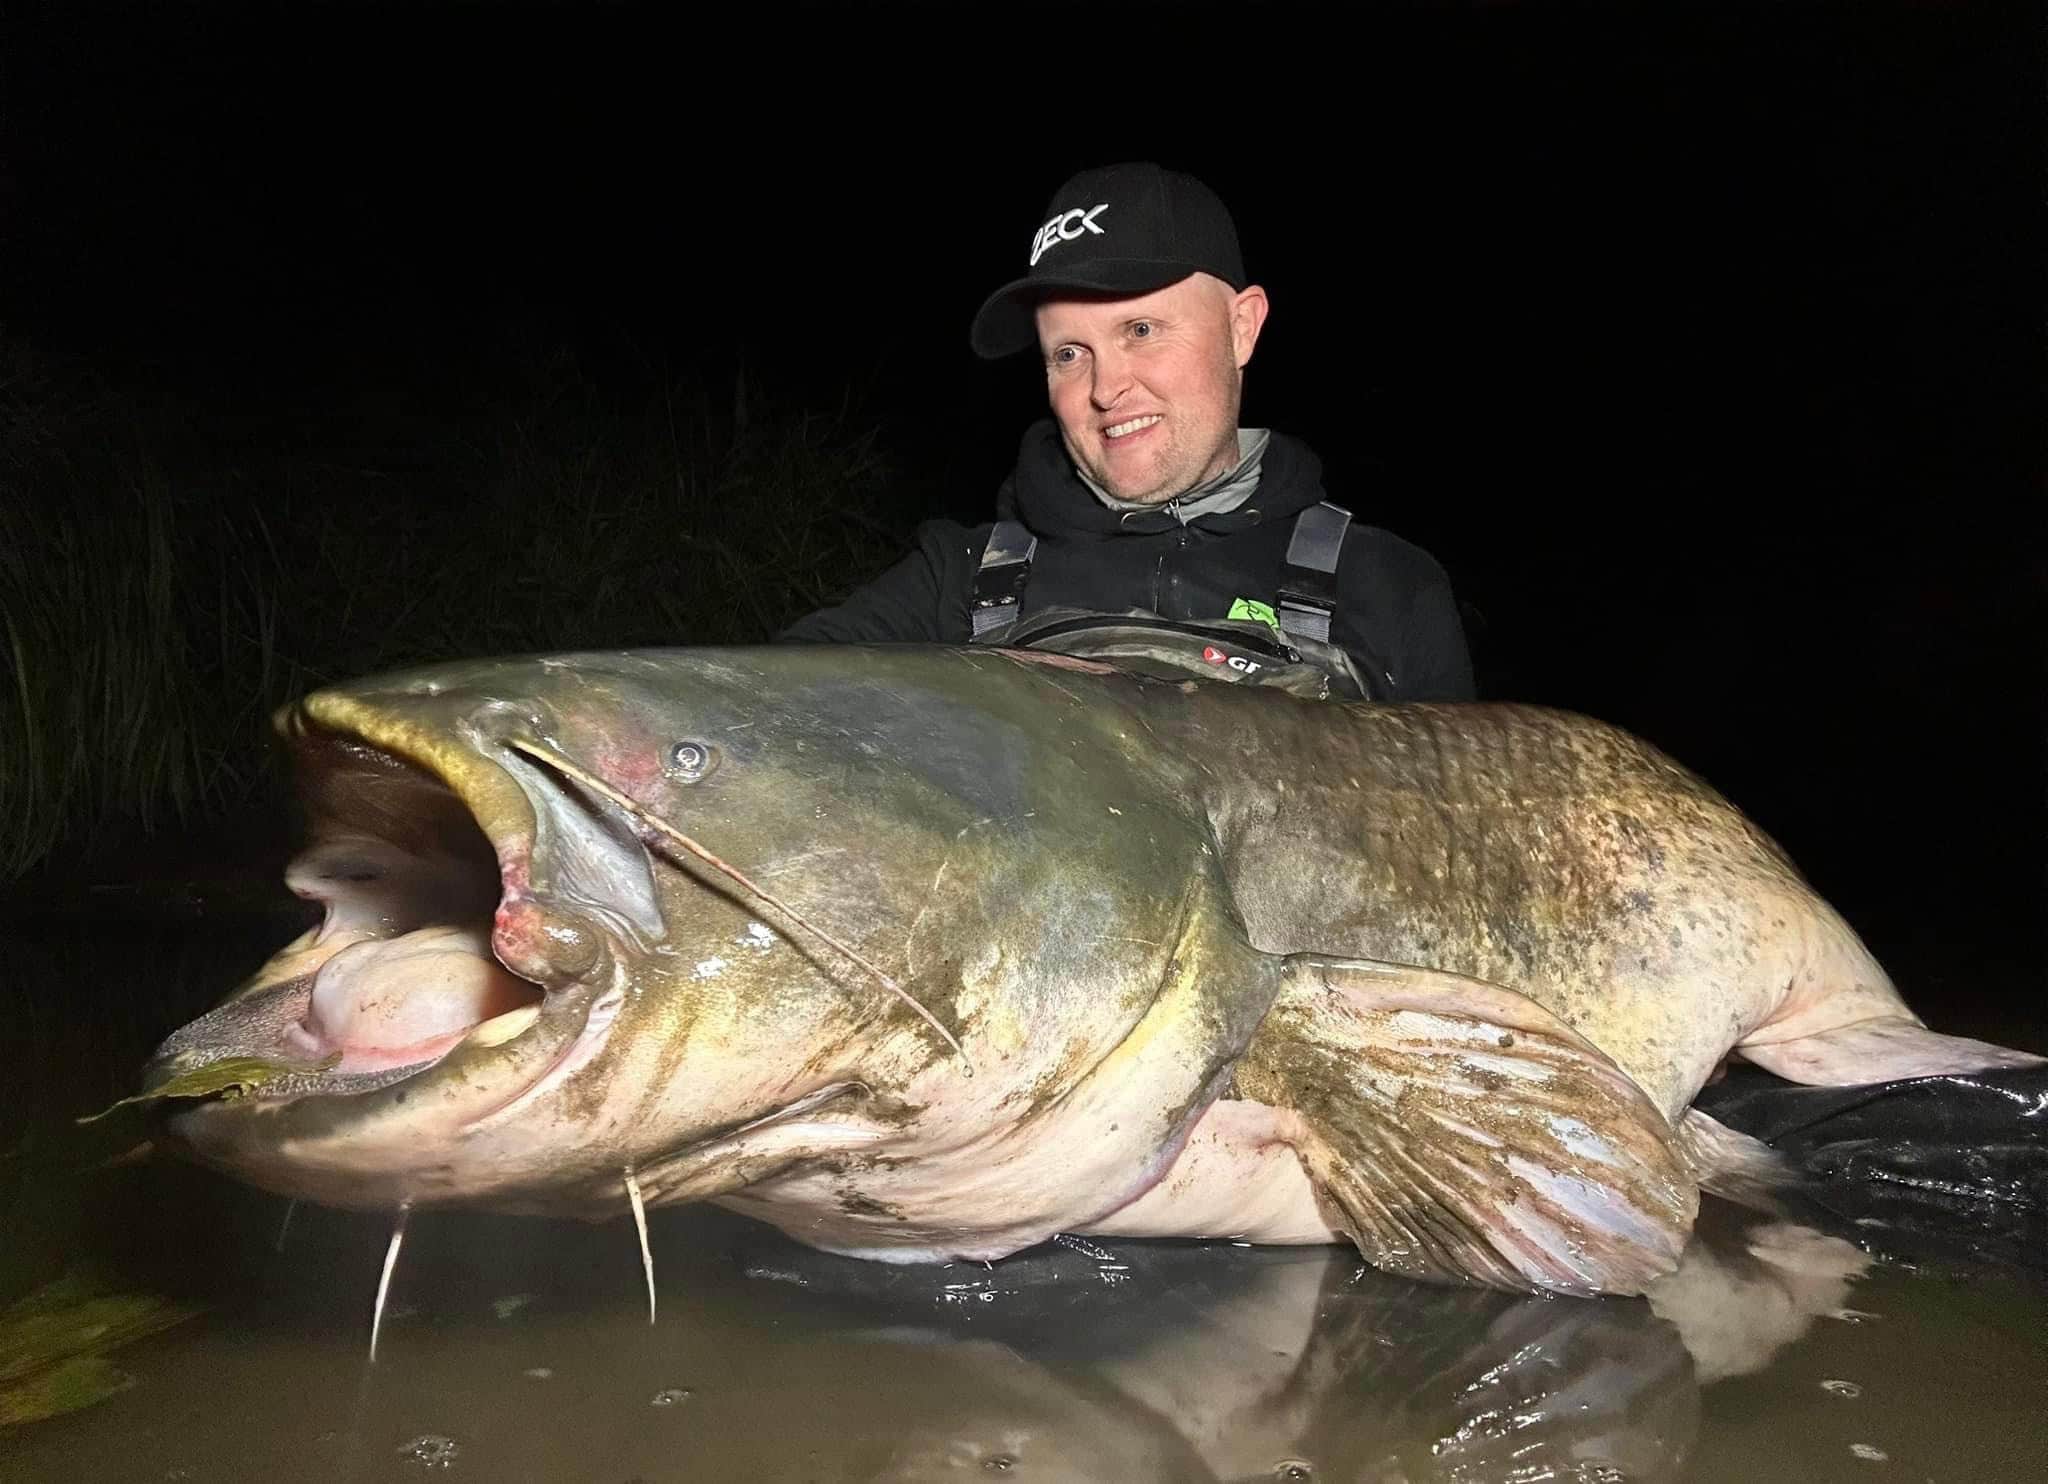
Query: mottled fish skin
x=1098 y=883
x=1534 y=849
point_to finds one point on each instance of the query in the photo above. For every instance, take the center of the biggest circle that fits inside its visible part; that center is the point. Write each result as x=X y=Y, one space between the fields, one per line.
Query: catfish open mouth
x=434 y=867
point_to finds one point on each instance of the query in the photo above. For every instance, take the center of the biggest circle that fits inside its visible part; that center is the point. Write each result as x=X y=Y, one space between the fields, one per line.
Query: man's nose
x=1112 y=379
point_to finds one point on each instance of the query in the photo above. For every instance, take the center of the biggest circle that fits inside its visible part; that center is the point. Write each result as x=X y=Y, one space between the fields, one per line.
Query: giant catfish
x=924 y=953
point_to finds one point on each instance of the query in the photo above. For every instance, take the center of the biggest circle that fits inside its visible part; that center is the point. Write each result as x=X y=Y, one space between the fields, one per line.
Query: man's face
x=1146 y=390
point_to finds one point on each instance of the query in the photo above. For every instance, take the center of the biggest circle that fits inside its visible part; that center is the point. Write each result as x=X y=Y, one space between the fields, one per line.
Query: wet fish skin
x=1174 y=927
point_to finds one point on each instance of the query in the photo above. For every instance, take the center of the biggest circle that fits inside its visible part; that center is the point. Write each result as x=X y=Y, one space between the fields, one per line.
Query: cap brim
x=1005 y=325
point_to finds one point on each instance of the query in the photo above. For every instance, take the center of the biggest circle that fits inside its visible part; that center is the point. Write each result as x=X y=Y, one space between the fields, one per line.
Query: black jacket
x=1395 y=612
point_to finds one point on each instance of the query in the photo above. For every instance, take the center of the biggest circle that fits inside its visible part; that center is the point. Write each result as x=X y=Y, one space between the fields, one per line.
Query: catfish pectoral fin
x=1463 y=1133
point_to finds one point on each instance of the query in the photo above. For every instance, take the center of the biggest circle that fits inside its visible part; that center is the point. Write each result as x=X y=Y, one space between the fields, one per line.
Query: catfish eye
x=690 y=762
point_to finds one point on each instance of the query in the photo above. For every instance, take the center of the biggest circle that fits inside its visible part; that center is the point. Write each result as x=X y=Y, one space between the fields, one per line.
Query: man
x=1141 y=494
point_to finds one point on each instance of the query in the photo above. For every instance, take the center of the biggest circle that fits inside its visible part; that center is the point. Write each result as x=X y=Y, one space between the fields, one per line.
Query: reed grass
x=164 y=585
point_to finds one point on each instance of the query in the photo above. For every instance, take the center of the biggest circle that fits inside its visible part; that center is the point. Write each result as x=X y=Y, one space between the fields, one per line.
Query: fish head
x=703 y=914
x=520 y=985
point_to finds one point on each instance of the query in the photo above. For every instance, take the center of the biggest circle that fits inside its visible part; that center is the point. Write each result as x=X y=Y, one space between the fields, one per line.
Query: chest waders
x=1298 y=657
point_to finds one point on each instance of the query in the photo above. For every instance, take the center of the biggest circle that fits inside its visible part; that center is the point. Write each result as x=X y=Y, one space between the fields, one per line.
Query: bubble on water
x=1842 y=1388
x=538 y=1373
x=671 y=1396
x=430 y=1450
x=1864 y=1450
x=511 y=1304
x=1855 y=1316
x=1293 y=1470
x=1000 y=1463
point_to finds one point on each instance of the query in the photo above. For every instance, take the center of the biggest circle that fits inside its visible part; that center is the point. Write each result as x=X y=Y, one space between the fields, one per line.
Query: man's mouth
x=1116 y=432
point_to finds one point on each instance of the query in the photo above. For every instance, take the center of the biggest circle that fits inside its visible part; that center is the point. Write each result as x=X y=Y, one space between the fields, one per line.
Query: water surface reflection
x=518 y=1350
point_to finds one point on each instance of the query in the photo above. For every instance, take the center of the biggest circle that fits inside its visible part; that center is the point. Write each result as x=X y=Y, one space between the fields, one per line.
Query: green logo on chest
x=1257 y=611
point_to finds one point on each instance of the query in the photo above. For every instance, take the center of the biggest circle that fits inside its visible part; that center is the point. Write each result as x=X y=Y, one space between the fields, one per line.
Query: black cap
x=1121 y=229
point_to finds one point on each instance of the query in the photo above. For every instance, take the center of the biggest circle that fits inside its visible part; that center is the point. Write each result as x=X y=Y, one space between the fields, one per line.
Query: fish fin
x=1884 y=1048
x=1736 y=1166
x=1460 y=1132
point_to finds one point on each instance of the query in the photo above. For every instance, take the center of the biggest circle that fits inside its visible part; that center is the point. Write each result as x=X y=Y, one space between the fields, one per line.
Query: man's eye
x=1065 y=356
x=1141 y=329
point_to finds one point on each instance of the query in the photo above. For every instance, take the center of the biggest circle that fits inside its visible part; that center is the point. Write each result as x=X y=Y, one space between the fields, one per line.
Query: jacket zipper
x=1180 y=539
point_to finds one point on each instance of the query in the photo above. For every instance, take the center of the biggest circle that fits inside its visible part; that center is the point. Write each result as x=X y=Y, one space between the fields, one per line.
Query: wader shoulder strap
x=1308 y=586
x=999 y=583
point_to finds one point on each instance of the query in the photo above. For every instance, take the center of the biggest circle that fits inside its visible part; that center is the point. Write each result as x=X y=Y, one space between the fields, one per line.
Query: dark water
x=518 y=1349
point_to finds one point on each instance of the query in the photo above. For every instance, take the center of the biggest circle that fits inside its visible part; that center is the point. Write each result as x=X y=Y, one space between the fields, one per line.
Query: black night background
x=1701 y=345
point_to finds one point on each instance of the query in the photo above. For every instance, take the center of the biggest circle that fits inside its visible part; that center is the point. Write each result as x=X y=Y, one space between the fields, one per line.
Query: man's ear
x=1247 y=318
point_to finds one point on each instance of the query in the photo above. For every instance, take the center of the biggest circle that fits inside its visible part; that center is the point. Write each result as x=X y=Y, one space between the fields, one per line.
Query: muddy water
x=518 y=1349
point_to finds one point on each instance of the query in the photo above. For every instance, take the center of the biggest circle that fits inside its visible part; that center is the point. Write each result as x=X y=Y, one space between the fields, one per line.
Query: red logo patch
x=1214 y=655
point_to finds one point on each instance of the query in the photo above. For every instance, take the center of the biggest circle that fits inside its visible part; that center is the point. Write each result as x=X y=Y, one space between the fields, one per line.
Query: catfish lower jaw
x=374 y=1011
x=305 y=1067
x=413 y=1135
x=464 y=1132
